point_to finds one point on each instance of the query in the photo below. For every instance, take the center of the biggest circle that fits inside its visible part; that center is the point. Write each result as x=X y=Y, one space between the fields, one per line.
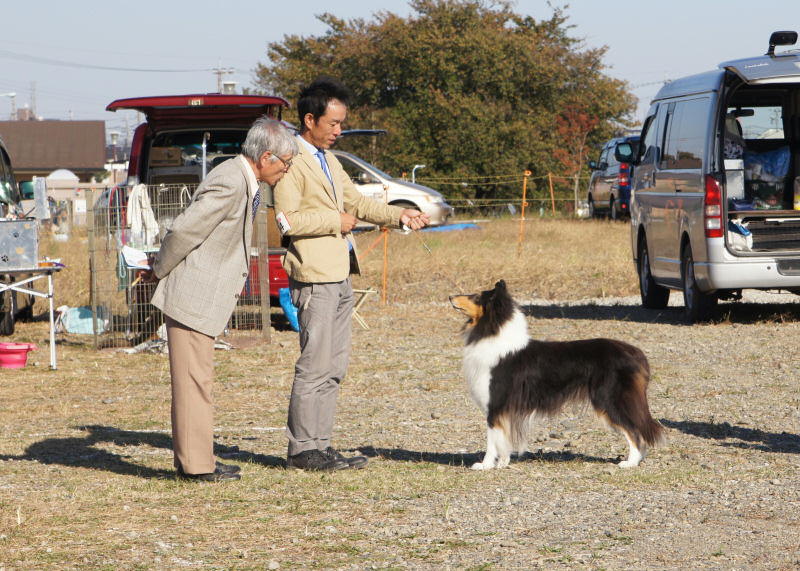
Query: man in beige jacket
x=202 y=266
x=316 y=207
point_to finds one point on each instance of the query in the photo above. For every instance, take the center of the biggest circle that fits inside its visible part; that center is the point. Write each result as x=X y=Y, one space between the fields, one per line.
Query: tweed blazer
x=204 y=258
x=307 y=210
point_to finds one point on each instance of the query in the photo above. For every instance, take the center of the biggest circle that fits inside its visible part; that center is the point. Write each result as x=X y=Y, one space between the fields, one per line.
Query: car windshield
x=371 y=167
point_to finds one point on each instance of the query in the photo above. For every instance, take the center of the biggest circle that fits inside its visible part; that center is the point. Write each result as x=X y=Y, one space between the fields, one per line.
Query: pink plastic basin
x=15 y=355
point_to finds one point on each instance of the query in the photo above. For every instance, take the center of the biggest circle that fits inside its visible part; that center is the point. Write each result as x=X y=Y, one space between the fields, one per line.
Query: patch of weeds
x=624 y=539
x=481 y=567
x=547 y=549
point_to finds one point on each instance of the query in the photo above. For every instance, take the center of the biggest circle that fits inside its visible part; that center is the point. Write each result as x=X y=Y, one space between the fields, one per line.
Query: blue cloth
x=289 y=310
x=449 y=227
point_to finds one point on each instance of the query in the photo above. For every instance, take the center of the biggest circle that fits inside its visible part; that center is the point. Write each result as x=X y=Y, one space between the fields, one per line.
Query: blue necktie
x=320 y=154
x=256 y=201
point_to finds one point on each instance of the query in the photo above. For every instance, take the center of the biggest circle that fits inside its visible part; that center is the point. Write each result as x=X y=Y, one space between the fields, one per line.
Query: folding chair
x=361 y=297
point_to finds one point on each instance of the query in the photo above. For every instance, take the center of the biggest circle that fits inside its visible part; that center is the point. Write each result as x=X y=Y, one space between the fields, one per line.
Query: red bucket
x=15 y=355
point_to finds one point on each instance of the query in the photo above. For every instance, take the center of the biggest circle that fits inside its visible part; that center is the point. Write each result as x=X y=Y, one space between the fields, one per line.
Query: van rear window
x=760 y=122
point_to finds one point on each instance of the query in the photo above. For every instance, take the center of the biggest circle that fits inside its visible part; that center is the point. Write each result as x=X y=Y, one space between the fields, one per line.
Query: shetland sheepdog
x=513 y=378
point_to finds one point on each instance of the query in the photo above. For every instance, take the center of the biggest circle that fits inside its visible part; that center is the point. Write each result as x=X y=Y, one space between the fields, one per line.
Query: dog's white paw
x=482 y=466
x=628 y=464
x=503 y=462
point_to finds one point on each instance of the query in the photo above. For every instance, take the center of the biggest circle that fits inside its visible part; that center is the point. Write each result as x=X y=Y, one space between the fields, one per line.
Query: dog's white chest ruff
x=481 y=356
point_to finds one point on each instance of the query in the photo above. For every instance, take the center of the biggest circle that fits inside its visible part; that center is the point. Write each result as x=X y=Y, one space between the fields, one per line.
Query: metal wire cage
x=121 y=309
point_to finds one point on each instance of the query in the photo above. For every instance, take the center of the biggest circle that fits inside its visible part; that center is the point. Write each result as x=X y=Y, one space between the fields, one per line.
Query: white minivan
x=715 y=203
x=374 y=183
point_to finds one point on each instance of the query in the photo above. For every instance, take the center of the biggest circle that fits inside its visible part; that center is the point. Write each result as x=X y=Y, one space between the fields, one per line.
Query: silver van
x=715 y=202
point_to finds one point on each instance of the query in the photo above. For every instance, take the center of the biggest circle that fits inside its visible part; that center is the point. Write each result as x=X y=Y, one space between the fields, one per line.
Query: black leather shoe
x=216 y=476
x=355 y=462
x=315 y=461
x=228 y=468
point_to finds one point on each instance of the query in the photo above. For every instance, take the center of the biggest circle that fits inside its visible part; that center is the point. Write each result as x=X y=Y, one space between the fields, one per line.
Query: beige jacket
x=204 y=258
x=307 y=212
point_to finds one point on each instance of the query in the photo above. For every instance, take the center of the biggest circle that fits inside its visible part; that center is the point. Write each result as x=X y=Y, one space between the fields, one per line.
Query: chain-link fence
x=127 y=223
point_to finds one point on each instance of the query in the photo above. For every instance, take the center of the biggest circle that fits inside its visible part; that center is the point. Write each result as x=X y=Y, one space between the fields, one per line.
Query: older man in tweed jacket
x=202 y=266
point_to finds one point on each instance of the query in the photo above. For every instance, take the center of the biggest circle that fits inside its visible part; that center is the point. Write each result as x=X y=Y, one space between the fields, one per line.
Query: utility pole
x=219 y=71
x=33 y=101
x=13 y=97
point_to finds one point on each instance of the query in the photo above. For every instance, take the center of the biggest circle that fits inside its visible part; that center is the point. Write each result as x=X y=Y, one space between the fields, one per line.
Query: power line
x=48 y=61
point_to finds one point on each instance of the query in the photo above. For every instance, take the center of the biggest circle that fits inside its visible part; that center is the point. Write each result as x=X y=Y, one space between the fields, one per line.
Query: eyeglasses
x=286 y=164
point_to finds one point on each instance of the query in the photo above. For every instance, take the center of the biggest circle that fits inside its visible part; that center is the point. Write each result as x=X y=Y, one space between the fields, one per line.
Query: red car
x=183 y=137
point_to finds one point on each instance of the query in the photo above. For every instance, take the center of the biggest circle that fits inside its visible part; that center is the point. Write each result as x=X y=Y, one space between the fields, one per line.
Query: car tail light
x=712 y=208
x=622 y=178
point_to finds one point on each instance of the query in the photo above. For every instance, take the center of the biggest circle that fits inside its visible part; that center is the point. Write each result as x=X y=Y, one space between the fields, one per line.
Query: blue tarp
x=448 y=227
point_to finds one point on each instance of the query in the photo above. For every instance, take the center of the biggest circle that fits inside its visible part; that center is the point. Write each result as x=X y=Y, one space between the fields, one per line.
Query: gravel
x=721 y=494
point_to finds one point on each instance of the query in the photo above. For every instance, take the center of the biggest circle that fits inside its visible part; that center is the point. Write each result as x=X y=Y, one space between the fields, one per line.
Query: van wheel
x=698 y=306
x=590 y=205
x=653 y=295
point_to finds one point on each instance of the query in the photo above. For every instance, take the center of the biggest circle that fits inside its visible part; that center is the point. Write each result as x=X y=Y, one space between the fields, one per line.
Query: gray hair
x=268 y=135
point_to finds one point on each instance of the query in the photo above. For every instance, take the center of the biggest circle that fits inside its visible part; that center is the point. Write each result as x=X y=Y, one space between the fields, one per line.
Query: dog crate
x=19 y=244
x=120 y=300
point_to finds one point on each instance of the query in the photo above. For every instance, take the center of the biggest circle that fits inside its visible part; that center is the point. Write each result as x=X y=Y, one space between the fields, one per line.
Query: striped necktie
x=256 y=201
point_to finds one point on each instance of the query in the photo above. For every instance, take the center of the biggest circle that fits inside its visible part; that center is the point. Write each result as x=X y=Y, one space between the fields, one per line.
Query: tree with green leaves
x=467 y=87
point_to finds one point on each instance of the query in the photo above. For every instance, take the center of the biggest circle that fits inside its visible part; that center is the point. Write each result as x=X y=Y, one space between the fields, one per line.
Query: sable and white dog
x=513 y=378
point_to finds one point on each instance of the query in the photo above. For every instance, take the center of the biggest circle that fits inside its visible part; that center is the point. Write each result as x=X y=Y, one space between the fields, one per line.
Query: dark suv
x=610 y=184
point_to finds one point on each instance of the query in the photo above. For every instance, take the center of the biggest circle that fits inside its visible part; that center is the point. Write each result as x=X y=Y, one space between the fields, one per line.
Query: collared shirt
x=252 y=184
x=314 y=150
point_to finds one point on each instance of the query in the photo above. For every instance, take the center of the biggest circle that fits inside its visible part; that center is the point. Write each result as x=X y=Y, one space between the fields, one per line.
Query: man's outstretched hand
x=414 y=219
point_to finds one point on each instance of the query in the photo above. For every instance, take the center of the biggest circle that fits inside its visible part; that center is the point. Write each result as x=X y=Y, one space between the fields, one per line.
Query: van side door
x=601 y=188
x=681 y=176
x=651 y=194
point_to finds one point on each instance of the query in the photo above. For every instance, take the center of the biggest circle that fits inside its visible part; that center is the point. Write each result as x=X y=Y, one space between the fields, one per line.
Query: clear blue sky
x=648 y=41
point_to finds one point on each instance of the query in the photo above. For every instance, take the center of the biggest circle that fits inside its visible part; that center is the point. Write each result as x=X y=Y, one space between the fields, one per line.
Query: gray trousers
x=324 y=312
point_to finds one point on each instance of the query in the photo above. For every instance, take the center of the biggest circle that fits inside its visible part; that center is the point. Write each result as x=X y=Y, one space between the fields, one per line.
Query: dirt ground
x=86 y=478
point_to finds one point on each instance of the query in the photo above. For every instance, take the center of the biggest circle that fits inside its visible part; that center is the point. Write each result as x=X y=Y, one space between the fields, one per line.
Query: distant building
x=38 y=148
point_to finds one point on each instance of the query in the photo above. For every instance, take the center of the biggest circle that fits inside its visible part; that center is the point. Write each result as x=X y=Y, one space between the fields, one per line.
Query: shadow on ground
x=748 y=438
x=467 y=460
x=86 y=451
x=733 y=312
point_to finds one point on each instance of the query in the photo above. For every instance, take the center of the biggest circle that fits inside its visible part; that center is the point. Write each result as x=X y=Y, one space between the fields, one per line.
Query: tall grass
x=557 y=259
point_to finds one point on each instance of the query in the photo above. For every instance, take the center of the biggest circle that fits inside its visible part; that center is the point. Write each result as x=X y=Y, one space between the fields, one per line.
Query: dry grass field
x=86 y=477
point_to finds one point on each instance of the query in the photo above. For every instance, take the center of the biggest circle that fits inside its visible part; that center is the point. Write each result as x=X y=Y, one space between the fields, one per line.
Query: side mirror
x=364 y=177
x=623 y=153
x=593 y=165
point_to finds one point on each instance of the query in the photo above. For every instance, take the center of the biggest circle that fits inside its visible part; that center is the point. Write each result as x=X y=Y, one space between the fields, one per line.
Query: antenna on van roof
x=785 y=38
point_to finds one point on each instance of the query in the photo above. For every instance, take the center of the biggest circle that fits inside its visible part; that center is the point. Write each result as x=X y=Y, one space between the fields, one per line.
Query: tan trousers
x=191 y=368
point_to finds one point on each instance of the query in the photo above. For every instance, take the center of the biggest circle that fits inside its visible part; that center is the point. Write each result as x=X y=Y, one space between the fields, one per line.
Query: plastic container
x=15 y=355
